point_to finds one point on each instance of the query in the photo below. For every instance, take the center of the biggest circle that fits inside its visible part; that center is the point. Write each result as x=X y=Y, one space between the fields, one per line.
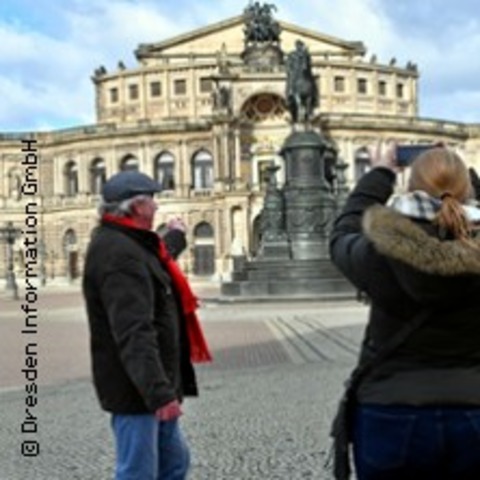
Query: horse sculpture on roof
x=302 y=91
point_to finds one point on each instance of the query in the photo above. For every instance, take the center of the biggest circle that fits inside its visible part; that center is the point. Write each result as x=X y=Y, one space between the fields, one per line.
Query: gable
x=208 y=40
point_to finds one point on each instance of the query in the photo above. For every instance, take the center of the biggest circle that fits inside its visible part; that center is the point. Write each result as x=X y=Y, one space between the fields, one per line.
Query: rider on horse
x=302 y=91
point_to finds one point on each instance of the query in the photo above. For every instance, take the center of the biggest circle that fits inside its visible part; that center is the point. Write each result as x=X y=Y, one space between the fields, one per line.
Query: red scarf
x=199 y=351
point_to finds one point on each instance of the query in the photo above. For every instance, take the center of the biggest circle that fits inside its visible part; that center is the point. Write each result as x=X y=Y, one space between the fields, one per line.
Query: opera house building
x=204 y=113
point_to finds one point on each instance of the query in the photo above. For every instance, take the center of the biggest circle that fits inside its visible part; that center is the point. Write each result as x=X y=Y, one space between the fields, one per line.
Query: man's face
x=143 y=212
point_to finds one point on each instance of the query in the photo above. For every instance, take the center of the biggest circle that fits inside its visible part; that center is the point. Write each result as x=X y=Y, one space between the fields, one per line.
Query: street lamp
x=43 y=255
x=9 y=234
x=53 y=257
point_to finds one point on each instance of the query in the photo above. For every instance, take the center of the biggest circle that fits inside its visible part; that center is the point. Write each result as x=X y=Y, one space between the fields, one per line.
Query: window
x=202 y=170
x=362 y=162
x=399 y=90
x=98 y=176
x=339 y=84
x=164 y=170
x=260 y=107
x=114 y=95
x=382 y=88
x=155 y=89
x=206 y=85
x=129 y=163
x=133 y=92
x=204 y=249
x=71 y=179
x=362 y=85
x=180 y=87
x=263 y=173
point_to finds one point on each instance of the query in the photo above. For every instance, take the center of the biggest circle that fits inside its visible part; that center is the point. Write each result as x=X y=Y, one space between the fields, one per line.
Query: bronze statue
x=259 y=23
x=302 y=91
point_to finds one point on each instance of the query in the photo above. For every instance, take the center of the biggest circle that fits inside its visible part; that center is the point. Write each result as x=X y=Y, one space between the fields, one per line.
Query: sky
x=50 y=48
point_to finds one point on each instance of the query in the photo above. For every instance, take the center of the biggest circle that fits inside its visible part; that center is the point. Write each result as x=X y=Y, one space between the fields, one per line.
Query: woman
x=417 y=413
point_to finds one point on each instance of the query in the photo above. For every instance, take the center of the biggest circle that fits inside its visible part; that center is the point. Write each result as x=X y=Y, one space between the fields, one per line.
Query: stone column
x=238 y=156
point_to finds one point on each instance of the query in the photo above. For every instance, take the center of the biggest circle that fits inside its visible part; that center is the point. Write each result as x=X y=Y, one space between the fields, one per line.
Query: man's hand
x=177 y=224
x=170 y=411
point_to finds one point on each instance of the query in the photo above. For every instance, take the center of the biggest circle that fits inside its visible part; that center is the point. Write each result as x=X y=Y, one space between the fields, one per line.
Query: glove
x=170 y=411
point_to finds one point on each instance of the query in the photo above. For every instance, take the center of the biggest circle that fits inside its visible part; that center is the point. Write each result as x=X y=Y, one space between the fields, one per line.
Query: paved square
x=265 y=406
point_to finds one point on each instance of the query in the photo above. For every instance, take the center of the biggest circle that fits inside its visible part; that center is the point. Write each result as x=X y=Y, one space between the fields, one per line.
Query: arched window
x=164 y=170
x=98 y=175
x=362 y=162
x=203 y=230
x=202 y=170
x=71 y=179
x=129 y=162
x=70 y=249
x=203 y=250
x=264 y=106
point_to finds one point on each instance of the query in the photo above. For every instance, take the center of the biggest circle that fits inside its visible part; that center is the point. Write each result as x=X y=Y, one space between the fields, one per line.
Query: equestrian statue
x=302 y=91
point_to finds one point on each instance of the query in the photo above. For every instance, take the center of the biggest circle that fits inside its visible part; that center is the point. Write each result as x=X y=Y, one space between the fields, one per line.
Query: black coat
x=140 y=355
x=405 y=266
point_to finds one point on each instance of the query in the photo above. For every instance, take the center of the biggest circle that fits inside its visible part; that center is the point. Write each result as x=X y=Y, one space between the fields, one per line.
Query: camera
x=406 y=154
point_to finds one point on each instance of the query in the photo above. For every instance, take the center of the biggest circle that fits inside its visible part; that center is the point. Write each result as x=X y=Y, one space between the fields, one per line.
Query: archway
x=70 y=249
x=203 y=250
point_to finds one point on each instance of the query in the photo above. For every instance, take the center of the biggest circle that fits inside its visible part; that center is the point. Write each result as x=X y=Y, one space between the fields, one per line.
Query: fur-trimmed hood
x=398 y=237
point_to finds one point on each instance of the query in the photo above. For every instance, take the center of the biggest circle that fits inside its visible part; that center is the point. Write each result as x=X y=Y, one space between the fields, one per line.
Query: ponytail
x=452 y=218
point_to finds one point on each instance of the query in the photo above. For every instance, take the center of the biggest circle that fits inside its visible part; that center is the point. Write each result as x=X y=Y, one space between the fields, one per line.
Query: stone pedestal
x=293 y=258
x=263 y=56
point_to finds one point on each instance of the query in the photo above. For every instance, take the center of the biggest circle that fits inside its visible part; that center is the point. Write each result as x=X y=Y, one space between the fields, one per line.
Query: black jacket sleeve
x=350 y=250
x=128 y=296
x=175 y=241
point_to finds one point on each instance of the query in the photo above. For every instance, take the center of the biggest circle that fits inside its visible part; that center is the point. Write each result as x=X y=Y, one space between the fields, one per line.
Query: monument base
x=275 y=249
x=268 y=278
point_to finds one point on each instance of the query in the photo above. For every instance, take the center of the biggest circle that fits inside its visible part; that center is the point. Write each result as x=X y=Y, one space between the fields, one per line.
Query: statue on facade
x=222 y=60
x=222 y=98
x=259 y=23
x=302 y=91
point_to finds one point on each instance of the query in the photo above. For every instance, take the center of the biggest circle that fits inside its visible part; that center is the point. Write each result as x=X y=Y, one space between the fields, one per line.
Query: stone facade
x=206 y=121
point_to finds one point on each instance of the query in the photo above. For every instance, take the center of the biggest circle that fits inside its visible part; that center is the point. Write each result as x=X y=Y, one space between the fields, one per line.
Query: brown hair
x=442 y=174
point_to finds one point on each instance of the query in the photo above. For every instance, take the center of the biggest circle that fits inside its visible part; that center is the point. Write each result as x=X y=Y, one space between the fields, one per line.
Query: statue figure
x=222 y=60
x=272 y=217
x=101 y=70
x=222 y=98
x=302 y=91
x=259 y=24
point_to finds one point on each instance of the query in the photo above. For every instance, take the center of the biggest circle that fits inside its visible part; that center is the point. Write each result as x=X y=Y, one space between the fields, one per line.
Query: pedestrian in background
x=413 y=402
x=144 y=332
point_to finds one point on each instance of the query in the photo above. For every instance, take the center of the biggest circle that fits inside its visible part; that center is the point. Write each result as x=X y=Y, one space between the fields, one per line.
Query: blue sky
x=49 y=48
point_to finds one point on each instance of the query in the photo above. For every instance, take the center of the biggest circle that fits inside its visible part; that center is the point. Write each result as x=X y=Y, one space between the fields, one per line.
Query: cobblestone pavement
x=264 y=410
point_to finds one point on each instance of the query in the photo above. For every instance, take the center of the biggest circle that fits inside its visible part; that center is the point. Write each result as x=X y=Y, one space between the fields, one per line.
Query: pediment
x=207 y=40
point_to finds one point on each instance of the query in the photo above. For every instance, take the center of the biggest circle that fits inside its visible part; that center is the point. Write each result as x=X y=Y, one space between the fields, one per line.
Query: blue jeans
x=148 y=449
x=416 y=443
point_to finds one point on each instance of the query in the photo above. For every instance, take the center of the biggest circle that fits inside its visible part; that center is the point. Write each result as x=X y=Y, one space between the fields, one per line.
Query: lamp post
x=53 y=257
x=42 y=251
x=9 y=234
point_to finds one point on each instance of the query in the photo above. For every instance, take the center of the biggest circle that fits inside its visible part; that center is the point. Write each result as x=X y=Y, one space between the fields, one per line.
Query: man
x=140 y=312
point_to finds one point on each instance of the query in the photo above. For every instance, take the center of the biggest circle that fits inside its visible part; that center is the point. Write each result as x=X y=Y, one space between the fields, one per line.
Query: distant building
x=205 y=116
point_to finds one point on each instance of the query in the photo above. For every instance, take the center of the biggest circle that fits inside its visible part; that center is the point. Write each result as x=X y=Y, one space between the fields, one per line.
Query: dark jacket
x=405 y=266
x=140 y=355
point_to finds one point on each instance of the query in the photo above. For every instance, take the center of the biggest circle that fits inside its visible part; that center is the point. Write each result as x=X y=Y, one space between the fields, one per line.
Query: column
x=238 y=156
